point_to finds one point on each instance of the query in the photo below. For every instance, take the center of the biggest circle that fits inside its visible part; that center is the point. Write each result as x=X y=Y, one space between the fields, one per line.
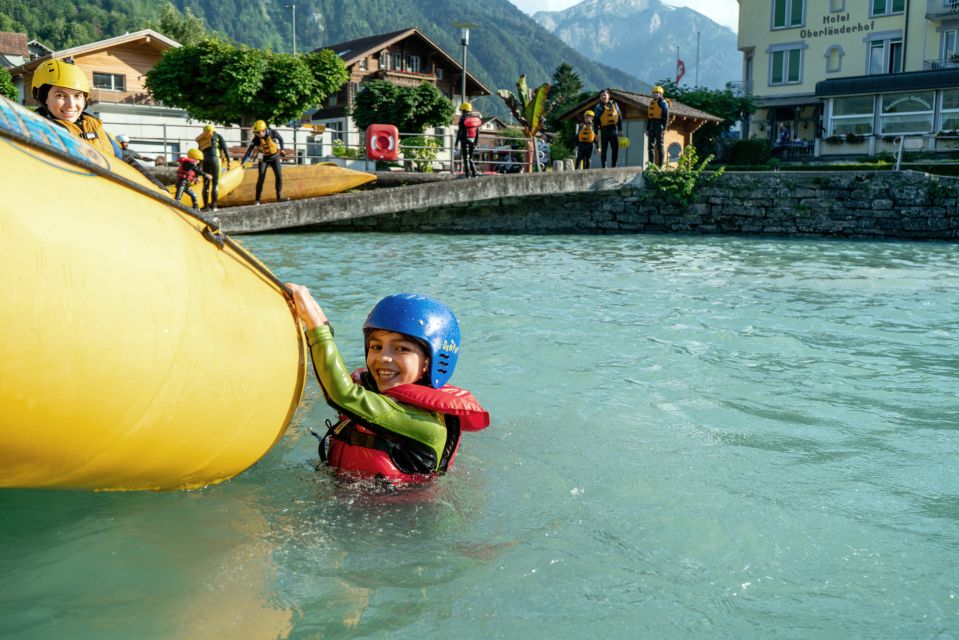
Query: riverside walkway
x=443 y=193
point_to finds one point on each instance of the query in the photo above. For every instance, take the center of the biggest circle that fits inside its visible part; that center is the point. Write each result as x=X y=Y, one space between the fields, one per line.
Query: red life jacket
x=357 y=451
x=472 y=124
x=187 y=169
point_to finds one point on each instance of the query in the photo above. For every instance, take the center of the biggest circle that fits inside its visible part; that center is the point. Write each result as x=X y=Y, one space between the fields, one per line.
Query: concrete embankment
x=878 y=205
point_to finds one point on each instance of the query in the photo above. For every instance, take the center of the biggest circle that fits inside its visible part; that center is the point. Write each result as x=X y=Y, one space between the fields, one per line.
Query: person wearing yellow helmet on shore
x=214 y=148
x=268 y=144
x=186 y=174
x=585 y=140
x=656 y=125
x=467 y=135
x=610 y=120
x=62 y=89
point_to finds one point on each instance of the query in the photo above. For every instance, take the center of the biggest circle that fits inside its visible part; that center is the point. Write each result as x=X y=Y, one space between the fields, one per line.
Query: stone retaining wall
x=849 y=205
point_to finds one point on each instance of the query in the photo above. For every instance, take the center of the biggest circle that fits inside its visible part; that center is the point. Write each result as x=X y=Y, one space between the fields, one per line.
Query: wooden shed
x=683 y=122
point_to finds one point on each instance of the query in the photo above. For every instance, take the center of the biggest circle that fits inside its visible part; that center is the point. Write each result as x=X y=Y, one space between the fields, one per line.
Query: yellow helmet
x=196 y=154
x=209 y=128
x=259 y=125
x=589 y=113
x=658 y=89
x=61 y=74
x=466 y=106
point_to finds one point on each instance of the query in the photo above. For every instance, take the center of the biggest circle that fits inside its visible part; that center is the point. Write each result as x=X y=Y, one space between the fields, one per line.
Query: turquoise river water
x=692 y=438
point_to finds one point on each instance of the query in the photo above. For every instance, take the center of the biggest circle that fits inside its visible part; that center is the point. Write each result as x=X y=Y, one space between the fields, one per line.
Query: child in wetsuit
x=400 y=421
x=186 y=174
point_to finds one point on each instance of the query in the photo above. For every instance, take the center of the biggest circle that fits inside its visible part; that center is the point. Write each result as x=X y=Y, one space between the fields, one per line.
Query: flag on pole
x=680 y=70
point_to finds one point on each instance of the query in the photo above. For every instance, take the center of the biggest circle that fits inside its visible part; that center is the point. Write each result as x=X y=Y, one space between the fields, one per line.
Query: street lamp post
x=464 y=28
x=293 y=8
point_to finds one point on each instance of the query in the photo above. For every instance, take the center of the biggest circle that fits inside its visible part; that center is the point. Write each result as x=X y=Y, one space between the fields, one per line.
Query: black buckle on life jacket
x=89 y=135
x=331 y=430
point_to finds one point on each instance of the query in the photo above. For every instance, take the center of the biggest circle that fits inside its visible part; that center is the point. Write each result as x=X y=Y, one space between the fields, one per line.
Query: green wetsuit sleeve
x=375 y=409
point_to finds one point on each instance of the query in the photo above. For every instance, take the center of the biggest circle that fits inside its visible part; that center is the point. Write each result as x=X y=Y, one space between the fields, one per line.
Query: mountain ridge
x=506 y=44
x=641 y=36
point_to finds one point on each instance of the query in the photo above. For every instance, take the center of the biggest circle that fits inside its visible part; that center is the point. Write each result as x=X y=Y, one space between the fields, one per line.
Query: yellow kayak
x=299 y=181
x=229 y=180
x=135 y=353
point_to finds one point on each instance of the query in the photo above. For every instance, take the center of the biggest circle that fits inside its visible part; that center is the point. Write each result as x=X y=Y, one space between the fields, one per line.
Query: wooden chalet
x=684 y=121
x=404 y=58
x=115 y=67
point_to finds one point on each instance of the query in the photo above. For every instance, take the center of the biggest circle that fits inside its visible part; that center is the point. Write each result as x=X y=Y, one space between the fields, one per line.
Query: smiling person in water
x=399 y=421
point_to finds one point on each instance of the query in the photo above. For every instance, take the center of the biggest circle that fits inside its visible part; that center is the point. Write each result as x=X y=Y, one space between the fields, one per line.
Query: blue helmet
x=428 y=321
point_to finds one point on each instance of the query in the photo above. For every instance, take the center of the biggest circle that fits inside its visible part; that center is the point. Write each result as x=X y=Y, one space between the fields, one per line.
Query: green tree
x=720 y=103
x=185 y=28
x=6 y=85
x=411 y=109
x=214 y=81
x=567 y=85
x=567 y=91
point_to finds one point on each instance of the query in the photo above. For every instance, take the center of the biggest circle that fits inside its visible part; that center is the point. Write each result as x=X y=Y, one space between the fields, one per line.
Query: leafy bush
x=754 y=151
x=340 y=150
x=421 y=150
x=678 y=183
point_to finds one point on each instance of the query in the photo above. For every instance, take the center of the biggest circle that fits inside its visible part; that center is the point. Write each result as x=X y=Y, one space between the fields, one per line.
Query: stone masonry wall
x=905 y=205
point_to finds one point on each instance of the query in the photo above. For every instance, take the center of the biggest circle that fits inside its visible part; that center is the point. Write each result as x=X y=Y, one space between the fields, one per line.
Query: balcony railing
x=952 y=62
x=740 y=89
x=121 y=97
x=941 y=8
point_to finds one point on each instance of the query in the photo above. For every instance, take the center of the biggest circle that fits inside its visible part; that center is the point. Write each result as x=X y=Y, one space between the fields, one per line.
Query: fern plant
x=678 y=184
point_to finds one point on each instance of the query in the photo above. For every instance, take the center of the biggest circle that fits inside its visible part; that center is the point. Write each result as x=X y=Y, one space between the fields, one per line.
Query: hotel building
x=849 y=77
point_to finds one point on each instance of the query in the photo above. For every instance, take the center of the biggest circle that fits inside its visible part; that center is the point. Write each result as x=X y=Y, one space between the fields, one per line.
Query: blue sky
x=725 y=12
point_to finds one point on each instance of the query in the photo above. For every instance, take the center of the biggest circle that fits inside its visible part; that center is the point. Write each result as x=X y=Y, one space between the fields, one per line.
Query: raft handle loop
x=212 y=233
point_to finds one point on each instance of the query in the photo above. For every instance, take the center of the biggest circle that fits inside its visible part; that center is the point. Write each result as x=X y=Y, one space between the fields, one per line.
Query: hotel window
x=885 y=55
x=950 y=110
x=413 y=64
x=785 y=66
x=364 y=65
x=950 y=50
x=834 y=59
x=110 y=81
x=851 y=115
x=886 y=7
x=907 y=113
x=385 y=61
x=788 y=13
x=398 y=61
x=438 y=72
x=836 y=6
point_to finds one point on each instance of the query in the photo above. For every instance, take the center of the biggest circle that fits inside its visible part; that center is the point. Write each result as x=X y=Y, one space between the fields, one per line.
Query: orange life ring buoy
x=382 y=142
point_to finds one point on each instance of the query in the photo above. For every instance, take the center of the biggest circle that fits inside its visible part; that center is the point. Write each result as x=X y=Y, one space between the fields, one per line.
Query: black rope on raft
x=211 y=231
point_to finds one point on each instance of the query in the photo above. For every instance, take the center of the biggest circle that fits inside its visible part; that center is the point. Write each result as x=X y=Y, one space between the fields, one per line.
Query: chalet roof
x=12 y=43
x=352 y=51
x=641 y=101
x=36 y=44
x=148 y=36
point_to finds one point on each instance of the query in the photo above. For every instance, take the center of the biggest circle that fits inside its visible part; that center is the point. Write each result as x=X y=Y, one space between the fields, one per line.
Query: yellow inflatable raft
x=139 y=348
x=299 y=181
